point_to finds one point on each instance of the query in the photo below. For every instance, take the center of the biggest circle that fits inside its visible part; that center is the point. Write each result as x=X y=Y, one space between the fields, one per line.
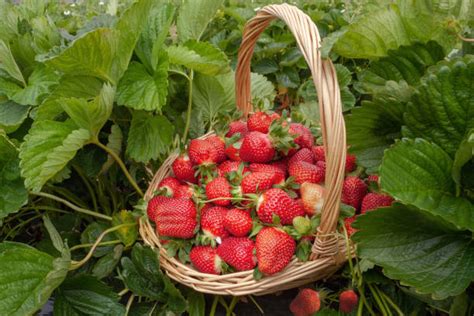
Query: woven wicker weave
x=329 y=251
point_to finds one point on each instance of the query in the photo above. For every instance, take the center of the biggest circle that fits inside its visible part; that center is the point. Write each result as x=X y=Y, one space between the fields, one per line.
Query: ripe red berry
x=202 y=152
x=373 y=201
x=260 y=181
x=350 y=163
x=348 y=300
x=348 y=224
x=304 y=138
x=238 y=222
x=256 y=147
x=232 y=151
x=175 y=217
x=206 y=260
x=306 y=303
x=261 y=121
x=353 y=191
x=238 y=252
x=275 y=248
x=183 y=169
x=318 y=152
x=277 y=202
x=237 y=127
x=303 y=154
x=219 y=145
x=170 y=184
x=212 y=222
x=219 y=188
x=303 y=171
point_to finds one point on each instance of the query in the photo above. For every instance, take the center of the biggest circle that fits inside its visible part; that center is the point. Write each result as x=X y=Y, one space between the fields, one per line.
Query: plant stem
x=129 y=304
x=77 y=264
x=234 y=301
x=121 y=165
x=69 y=204
x=123 y=292
x=377 y=299
x=260 y=309
x=364 y=299
x=105 y=243
x=390 y=301
x=17 y=227
x=45 y=208
x=81 y=174
x=190 y=106
x=214 y=306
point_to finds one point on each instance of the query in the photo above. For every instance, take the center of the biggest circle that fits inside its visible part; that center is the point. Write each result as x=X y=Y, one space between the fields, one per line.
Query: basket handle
x=332 y=120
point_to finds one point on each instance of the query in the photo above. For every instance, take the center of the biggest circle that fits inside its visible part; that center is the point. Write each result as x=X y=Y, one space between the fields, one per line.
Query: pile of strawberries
x=250 y=199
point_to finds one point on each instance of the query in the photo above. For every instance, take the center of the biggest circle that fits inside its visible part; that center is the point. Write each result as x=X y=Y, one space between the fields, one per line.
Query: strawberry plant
x=95 y=95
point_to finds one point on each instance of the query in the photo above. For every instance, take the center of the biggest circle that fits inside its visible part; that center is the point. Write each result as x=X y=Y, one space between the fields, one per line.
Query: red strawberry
x=260 y=181
x=238 y=222
x=261 y=121
x=233 y=151
x=304 y=138
x=281 y=164
x=373 y=178
x=183 y=169
x=318 y=152
x=348 y=300
x=203 y=152
x=238 y=253
x=373 y=201
x=277 y=202
x=350 y=163
x=206 y=260
x=153 y=204
x=228 y=166
x=219 y=188
x=275 y=248
x=212 y=222
x=306 y=172
x=353 y=191
x=303 y=154
x=219 y=145
x=268 y=168
x=348 y=224
x=175 y=218
x=257 y=147
x=184 y=191
x=170 y=184
x=237 y=127
x=306 y=303
x=312 y=196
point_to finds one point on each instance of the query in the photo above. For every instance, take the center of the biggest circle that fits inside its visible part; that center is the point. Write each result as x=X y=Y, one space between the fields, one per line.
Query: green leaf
x=407 y=63
x=8 y=63
x=143 y=91
x=12 y=115
x=106 y=265
x=55 y=237
x=199 y=56
x=115 y=144
x=154 y=34
x=40 y=83
x=30 y=275
x=91 y=115
x=128 y=235
x=149 y=136
x=13 y=194
x=372 y=128
x=90 y=235
x=196 y=303
x=418 y=249
x=344 y=75
x=86 y=87
x=419 y=173
x=464 y=154
x=47 y=148
x=85 y=295
x=194 y=16
x=442 y=111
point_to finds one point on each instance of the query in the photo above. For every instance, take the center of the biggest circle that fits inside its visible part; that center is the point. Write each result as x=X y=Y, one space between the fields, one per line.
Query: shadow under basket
x=329 y=251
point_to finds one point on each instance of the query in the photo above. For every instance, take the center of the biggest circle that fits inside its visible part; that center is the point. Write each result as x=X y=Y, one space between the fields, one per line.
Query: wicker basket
x=329 y=251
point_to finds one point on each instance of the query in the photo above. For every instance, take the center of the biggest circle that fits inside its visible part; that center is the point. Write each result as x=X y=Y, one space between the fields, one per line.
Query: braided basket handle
x=332 y=121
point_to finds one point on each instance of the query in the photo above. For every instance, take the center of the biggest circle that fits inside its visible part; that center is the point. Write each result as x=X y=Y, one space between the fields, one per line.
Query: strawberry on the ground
x=257 y=147
x=228 y=166
x=303 y=154
x=238 y=222
x=212 y=222
x=232 y=151
x=183 y=169
x=219 y=145
x=238 y=252
x=153 y=204
x=184 y=191
x=202 y=152
x=373 y=178
x=268 y=168
x=275 y=248
x=260 y=181
x=205 y=259
x=277 y=202
x=219 y=188
x=348 y=224
x=304 y=137
x=348 y=301
x=303 y=171
x=170 y=185
x=373 y=201
x=306 y=303
x=318 y=152
x=353 y=191
x=174 y=217
x=261 y=121
x=373 y=182
x=237 y=127
x=350 y=163
x=312 y=196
